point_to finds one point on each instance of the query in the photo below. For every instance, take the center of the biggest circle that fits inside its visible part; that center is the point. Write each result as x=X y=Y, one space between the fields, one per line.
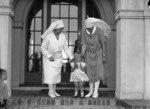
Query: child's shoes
x=82 y=95
x=75 y=94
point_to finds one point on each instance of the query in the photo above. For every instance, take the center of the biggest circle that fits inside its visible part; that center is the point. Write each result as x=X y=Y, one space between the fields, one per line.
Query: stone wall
x=132 y=56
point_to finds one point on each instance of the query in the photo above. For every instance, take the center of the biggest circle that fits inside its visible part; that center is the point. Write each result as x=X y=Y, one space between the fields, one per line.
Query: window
x=34 y=38
x=68 y=12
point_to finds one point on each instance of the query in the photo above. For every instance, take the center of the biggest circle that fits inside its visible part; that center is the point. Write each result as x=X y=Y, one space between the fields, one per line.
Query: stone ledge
x=64 y=107
x=134 y=104
x=132 y=14
x=6 y=10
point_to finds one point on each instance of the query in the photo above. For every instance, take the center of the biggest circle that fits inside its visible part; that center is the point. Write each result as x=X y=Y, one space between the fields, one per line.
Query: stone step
x=59 y=86
x=64 y=107
x=63 y=101
x=41 y=100
x=134 y=104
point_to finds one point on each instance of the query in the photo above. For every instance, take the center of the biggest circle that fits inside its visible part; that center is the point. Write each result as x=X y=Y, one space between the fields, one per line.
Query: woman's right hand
x=51 y=59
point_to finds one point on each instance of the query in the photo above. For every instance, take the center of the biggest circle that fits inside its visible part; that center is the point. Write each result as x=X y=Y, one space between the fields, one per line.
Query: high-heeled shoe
x=57 y=95
x=52 y=96
x=88 y=95
x=95 y=95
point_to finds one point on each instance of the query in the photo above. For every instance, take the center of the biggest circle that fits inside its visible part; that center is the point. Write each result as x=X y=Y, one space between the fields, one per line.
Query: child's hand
x=72 y=60
x=72 y=64
x=83 y=64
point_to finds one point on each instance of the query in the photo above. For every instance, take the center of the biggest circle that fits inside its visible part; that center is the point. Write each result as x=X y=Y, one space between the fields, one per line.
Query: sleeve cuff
x=48 y=56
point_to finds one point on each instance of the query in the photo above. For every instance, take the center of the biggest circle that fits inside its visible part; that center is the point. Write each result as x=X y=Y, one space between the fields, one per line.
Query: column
x=130 y=49
x=6 y=15
x=18 y=75
x=83 y=13
x=147 y=54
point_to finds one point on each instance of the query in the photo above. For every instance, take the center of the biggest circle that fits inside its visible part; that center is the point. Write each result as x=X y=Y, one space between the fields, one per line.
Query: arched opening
x=30 y=23
x=69 y=12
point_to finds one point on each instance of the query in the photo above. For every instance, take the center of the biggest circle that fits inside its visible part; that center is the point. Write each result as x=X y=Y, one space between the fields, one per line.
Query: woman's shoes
x=52 y=96
x=88 y=95
x=82 y=95
x=95 y=95
x=57 y=95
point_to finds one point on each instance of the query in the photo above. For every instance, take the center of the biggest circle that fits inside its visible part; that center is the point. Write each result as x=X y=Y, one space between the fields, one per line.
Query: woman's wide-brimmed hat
x=90 y=22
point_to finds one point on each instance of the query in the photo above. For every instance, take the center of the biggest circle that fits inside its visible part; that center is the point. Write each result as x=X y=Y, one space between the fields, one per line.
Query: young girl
x=78 y=75
x=3 y=89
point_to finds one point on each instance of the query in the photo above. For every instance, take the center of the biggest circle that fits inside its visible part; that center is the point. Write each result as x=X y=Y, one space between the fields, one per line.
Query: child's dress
x=78 y=75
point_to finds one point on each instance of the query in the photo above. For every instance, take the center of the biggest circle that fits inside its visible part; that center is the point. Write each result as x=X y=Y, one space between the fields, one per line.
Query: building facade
x=23 y=22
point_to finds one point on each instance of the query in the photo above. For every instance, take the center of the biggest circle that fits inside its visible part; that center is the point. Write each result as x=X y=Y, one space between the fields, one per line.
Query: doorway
x=41 y=14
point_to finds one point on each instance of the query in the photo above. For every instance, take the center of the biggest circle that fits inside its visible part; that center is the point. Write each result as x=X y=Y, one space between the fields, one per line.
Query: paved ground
x=40 y=100
x=22 y=99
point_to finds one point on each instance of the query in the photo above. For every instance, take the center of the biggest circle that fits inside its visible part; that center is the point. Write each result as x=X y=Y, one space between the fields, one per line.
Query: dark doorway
x=67 y=10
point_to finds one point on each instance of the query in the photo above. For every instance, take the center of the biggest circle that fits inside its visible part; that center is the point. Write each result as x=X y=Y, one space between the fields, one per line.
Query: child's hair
x=1 y=72
x=77 y=55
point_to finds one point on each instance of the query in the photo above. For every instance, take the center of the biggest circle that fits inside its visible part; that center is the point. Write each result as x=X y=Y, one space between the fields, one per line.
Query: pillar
x=6 y=14
x=147 y=51
x=130 y=53
x=17 y=50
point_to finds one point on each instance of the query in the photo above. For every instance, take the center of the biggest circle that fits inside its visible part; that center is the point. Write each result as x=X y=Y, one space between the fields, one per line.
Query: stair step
x=134 y=104
x=64 y=107
x=63 y=101
x=22 y=99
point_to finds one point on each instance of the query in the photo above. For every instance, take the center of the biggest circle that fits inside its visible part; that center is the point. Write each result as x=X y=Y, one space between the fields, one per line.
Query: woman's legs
x=91 y=89
x=56 y=94
x=95 y=94
x=51 y=91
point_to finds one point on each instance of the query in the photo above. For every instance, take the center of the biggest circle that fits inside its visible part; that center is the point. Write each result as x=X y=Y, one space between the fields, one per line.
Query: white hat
x=90 y=22
x=55 y=25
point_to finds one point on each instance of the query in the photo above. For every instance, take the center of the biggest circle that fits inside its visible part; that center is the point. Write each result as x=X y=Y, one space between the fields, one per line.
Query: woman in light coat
x=93 y=48
x=54 y=41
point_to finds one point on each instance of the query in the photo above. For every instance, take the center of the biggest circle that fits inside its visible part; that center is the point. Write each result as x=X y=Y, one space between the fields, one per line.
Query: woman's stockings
x=91 y=90
x=54 y=90
x=95 y=94
x=51 y=91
